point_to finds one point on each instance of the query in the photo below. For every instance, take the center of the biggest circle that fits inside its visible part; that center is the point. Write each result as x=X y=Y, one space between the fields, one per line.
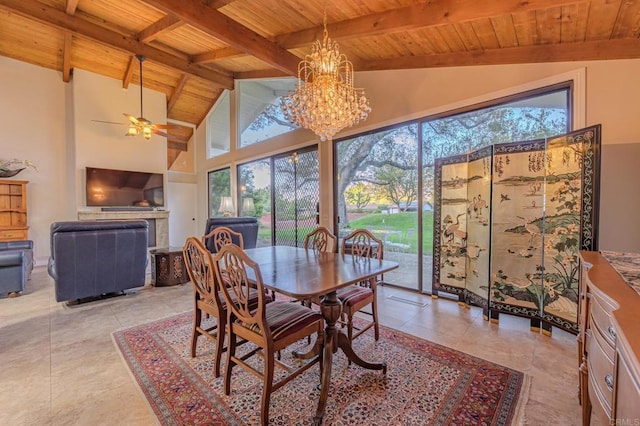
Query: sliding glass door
x=377 y=189
x=296 y=196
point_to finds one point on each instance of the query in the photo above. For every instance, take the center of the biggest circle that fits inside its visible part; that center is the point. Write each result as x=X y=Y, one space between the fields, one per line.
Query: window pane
x=219 y=186
x=219 y=127
x=259 y=113
x=531 y=118
x=377 y=189
x=255 y=185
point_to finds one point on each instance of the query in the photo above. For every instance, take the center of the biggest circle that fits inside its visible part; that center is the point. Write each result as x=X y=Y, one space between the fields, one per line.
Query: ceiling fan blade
x=131 y=118
x=159 y=133
x=109 y=122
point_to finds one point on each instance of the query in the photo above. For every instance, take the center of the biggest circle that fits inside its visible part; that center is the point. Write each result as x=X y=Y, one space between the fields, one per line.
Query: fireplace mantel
x=160 y=217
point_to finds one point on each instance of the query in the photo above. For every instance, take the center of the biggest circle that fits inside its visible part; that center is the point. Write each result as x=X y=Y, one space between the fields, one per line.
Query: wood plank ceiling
x=197 y=48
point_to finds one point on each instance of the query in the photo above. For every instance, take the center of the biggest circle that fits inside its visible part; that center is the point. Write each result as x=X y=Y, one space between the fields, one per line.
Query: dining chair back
x=361 y=244
x=321 y=240
x=207 y=298
x=221 y=236
x=269 y=326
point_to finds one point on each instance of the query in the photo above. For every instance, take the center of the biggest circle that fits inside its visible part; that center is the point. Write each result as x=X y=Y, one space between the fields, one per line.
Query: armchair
x=16 y=264
x=94 y=258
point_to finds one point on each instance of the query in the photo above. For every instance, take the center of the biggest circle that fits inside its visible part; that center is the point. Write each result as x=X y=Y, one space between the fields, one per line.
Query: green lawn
x=396 y=222
x=400 y=222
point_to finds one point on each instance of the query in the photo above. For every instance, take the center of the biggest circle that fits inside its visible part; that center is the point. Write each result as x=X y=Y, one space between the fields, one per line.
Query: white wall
x=33 y=124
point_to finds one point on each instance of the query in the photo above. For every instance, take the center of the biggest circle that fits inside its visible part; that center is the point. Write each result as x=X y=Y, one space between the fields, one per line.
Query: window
x=259 y=113
x=219 y=127
x=254 y=185
x=219 y=186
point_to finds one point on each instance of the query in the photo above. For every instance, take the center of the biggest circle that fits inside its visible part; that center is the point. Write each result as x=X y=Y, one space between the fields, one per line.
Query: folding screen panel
x=536 y=203
x=478 y=227
x=450 y=225
x=516 y=234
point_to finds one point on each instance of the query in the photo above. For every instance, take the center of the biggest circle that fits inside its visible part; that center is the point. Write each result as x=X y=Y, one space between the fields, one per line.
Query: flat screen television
x=124 y=188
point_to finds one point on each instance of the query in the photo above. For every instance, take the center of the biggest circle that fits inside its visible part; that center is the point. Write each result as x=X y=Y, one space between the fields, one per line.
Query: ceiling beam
x=566 y=52
x=70 y=8
x=177 y=92
x=128 y=74
x=79 y=27
x=428 y=14
x=162 y=26
x=220 y=26
x=176 y=143
x=66 y=57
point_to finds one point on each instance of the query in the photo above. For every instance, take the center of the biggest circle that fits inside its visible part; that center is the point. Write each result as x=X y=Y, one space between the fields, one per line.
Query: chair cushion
x=353 y=294
x=286 y=318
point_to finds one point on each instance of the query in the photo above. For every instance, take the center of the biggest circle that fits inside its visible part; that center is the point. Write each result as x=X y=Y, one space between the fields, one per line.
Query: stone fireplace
x=158 y=222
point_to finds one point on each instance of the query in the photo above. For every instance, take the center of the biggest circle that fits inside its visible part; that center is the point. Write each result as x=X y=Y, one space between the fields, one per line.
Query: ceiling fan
x=141 y=125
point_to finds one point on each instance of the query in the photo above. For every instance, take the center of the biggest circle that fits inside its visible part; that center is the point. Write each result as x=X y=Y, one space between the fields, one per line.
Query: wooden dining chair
x=208 y=299
x=269 y=326
x=321 y=240
x=361 y=244
x=221 y=236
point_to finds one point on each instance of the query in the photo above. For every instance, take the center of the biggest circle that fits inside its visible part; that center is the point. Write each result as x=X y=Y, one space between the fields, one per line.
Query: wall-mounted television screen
x=122 y=188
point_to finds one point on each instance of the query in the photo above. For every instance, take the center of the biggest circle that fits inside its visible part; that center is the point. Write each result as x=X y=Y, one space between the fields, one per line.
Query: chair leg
x=197 y=320
x=267 y=386
x=220 y=331
x=231 y=351
x=350 y=330
x=374 y=311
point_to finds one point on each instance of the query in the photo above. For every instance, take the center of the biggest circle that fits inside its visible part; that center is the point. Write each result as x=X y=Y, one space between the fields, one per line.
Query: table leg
x=331 y=308
x=345 y=345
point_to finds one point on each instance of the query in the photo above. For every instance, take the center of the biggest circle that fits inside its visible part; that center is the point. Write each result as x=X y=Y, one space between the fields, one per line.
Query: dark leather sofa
x=95 y=258
x=16 y=264
x=247 y=226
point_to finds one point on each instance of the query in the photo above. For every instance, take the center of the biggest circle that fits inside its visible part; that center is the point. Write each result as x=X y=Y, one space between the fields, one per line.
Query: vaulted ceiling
x=196 y=48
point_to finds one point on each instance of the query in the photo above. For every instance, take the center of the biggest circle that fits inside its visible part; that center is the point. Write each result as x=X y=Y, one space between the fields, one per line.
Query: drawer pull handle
x=608 y=379
x=612 y=332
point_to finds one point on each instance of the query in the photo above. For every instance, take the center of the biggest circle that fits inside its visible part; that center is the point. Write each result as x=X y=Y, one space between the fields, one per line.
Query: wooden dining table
x=307 y=274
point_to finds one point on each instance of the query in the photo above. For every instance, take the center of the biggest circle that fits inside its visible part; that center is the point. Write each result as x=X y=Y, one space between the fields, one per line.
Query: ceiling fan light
x=132 y=130
x=146 y=132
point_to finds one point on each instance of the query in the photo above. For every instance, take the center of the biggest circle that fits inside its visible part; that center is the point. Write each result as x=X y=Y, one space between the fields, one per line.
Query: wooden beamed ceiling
x=198 y=48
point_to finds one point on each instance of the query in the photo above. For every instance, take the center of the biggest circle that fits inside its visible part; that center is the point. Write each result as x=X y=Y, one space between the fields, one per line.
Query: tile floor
x=60 y=366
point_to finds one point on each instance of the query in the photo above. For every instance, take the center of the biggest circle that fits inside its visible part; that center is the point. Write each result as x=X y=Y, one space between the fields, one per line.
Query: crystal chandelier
x=325 y=100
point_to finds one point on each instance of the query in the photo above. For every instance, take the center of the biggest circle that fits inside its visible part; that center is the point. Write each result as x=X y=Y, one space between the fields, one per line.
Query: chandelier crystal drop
x=325 y=100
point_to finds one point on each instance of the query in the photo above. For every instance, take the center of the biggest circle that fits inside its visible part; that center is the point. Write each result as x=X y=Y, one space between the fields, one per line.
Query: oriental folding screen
x=509 y=221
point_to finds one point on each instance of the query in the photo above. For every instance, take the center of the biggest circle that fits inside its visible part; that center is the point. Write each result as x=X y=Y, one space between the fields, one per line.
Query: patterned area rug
x=425 y=383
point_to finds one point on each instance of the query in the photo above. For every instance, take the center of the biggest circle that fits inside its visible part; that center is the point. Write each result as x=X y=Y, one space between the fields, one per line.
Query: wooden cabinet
x=13 y=210
x=608 y=344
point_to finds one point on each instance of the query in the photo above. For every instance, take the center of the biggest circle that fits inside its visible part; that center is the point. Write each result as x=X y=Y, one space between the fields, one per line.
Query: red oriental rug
x=425 y=383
